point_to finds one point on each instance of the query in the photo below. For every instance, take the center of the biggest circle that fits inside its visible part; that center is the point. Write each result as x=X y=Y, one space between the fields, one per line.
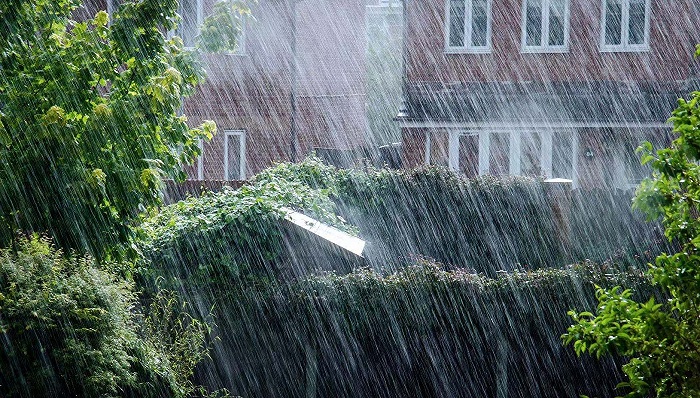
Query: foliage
x=223 y=28
x=68 y=329
x=492 y=222
x=230 y=234
x=90 y=122
x=463 y=222
x=420 y=331
x=660 y=337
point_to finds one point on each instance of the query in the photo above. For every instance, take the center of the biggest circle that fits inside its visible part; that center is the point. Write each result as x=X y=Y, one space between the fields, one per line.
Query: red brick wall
x=673 y=34
x=251 y=91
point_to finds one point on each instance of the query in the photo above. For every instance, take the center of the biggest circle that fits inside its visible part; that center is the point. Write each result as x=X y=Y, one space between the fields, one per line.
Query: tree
x=90 y=119
x=661 y=339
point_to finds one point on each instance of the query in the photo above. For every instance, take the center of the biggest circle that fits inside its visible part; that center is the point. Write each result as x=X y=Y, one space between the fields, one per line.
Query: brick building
x=248 y=92
x=559 y=88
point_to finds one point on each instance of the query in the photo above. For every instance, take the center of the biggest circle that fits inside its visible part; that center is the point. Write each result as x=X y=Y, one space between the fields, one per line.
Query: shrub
x=660 y=337
x=229 y=235
x=68 y=329
x=421 y=331
x=487 y=223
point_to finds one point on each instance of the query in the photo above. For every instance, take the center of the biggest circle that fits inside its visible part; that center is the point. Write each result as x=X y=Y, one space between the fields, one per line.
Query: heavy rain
x=349 y=198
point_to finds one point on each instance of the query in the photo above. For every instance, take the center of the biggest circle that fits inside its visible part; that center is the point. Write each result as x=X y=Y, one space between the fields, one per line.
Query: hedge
x=422 y=331
x=487 y=223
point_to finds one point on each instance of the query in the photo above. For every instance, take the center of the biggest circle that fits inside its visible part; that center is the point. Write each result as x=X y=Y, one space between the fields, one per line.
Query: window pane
x=637 y=21
x=479 y=23
x=457 y=19
x=187 y=28
x=469 y=155
x=562 y=155
x=234 y=156
x=557 y=13
x=533 y=23
x=499 y=154
x=613 y=22
x=530 y=154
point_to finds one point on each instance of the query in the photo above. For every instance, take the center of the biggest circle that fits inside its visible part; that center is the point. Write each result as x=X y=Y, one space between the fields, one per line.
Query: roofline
x=499 y=126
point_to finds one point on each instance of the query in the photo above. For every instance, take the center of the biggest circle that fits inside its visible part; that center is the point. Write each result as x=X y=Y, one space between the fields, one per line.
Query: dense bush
x=68 y=328
x=660 y=337
x=605 y=226
x=420 y=332
x=230 y=235
x=487 y=223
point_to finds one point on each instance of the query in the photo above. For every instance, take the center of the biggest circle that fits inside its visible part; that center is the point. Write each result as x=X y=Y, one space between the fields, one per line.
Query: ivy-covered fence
x=485 y=224
x=419 y=332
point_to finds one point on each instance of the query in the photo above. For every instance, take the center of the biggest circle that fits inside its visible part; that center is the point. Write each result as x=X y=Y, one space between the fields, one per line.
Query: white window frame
x=200 y=21
x=241 y=49
x=111 y=8
x=468 y=48
x=624 y=45
x=544 y=46
x=546 y=149
x=241 y=142
x=200 y=160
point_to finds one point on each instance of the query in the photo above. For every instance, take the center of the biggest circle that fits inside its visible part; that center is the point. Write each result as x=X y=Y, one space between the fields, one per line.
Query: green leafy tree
x=222 y=29
x=90 y=119
x=662 y=339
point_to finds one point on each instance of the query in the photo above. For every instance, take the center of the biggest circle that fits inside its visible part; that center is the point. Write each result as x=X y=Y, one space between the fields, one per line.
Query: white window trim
x=241 y=134
x=241 y=49
x=200 y=21
x=514 y=150
x=625 y=46
x=544 y=46
x=200 y=160
x=468 y=48
x=110 y=8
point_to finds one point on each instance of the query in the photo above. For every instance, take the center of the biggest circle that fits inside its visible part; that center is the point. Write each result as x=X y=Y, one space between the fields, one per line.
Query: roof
x=552 y=102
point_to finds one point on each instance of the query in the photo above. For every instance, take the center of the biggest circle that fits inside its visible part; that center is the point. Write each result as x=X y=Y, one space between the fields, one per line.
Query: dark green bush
x=488 y=223
x=67 y=328
x=229 y=235
x=422 y=331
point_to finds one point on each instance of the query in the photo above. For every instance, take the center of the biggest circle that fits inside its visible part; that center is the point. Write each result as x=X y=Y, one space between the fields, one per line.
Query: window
x=190 y=12
x=529 y=153
x=112 y=7
x=200 y=160
x=625 y=25
x=234 y=155
x=545 y=26
x=468 y=26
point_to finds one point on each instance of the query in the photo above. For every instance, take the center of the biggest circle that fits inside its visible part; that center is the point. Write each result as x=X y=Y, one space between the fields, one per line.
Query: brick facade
x=249 y=91
x=594 y=103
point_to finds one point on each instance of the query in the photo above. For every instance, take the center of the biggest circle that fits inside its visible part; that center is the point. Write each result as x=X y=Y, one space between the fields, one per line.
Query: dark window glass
x=499 y=154
x=233 y=143
x=562 y=155
x=530 y=154
x=457 y=20
x=557 y=15
x=637 y=22
x=613 y=22
x=533 y=23
x=469 y=155
x=479 y=23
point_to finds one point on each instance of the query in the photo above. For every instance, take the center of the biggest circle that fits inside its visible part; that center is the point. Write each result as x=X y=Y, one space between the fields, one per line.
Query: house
x=555 y=88
x=295 y=82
